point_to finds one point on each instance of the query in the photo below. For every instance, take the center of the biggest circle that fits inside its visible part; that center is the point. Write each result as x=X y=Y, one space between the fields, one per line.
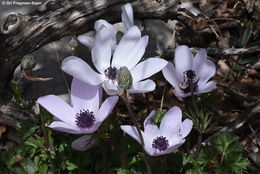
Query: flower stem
x=47 y=143
x=62 y=73
x=122 y=152
x=104 y=156
x=163 y=164
x=125 y=97
x=198 y=145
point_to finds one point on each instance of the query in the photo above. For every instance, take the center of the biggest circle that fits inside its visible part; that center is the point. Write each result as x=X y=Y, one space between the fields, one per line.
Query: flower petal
x=142 y=87
x=79 y=69
x=126 y=45
x=206 y=71
x=179 y=93
x=183 y=60
x=106 y=108
x=136 y=53
x=111 y=87
x=86 y=40
x=186 y=127
x=85 y=96
x=132 y=131
x=171 y=121
x=64 y=127
x=207 y=87
x=169 y=73
x=112 y=30
x=148 y=143
x=199 y=59
x=150 y=129
x=58 y=107
x=173 y=147
x=83 y=143
x=147 y=68
x=127 y=16
x=101 y=52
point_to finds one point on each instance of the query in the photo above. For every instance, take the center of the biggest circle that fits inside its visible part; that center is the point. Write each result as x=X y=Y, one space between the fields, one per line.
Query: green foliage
x=17 y=94
x=224 y=155
x=125 y=171
x=202 y=121
x=157 y=119
x=249 y=33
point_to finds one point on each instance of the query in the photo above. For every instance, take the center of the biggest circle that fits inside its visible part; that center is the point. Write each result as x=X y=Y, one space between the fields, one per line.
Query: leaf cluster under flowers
x=222 y=155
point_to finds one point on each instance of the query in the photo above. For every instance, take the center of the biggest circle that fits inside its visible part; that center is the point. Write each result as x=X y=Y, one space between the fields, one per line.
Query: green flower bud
x=73 y=44
x=125 y=79
x=28 y=62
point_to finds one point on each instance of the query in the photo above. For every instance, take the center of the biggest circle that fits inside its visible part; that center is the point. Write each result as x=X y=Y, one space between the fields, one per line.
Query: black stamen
x=189 y=84
x=160 y=143
x=85 y=119
x=111 y=73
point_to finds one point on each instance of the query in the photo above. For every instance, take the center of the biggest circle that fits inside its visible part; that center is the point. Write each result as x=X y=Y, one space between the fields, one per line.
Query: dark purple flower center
x=85 y=119
x=160 y=143
x=111 y=73
x=189 y=83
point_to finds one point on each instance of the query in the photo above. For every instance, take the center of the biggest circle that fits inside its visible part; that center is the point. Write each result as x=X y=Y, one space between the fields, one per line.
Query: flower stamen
x=189 y=83
x=85 y=119
x=160 y=143
x=111 y=73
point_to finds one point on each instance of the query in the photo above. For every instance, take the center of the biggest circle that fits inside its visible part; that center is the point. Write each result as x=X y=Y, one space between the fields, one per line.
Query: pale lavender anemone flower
x=127 y=19
x=85 y=115
x=83 y=143
x=127 y=54
x=165 y=139
x=189 y=74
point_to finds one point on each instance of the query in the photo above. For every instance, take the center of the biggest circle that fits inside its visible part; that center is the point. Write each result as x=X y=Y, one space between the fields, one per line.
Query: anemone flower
x=124 y=68
x=128 y=22
x=190 y=75
x=165 y=139
x=85 y=115
x=83 y=143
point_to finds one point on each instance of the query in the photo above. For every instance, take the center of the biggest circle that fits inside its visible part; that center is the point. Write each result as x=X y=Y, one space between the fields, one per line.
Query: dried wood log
x=11 y=116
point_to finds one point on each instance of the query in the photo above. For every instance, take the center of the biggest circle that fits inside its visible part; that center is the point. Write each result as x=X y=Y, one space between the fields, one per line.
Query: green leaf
x=158 y=117
x=239 y=68
x=11 y=161
x=71 y=166
x=246 y=35
x=246 y=61
x=43 y=169
x=124 y=171
x=30 y=167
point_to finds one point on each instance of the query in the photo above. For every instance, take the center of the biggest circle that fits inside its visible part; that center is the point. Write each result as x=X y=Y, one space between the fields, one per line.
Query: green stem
x=47 y=144
x=163 y=164
x=125 y=97
x=62 y=73
x=104 y=156
x=122 y=151
x=198 y=146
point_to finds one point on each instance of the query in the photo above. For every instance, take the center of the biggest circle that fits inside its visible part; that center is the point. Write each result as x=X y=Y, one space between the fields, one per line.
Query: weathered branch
x=12 y=116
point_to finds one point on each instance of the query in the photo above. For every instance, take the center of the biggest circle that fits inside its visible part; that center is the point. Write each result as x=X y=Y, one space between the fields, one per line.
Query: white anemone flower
x=127 y=19
x=164 y=139
x=188 y=74
x=127 y=56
